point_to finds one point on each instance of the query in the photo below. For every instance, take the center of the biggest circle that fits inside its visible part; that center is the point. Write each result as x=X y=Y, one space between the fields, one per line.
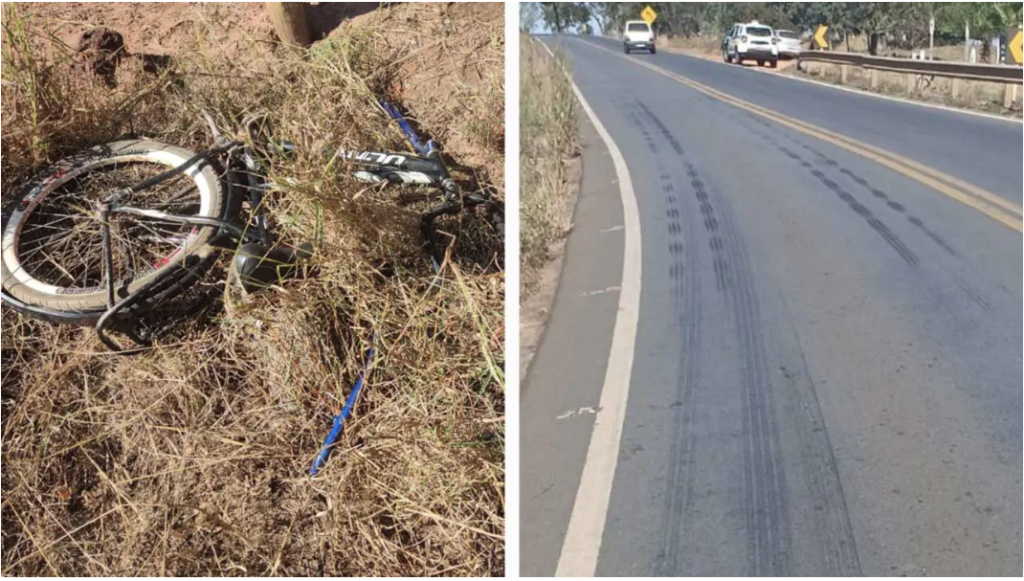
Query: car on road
x=638 y=35
x=788 y=44
x=751 y=41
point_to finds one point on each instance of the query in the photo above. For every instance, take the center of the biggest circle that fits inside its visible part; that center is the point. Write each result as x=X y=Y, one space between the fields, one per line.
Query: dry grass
x=549 y=138
x=974 y=95
x=703 y=44
x=190 y=459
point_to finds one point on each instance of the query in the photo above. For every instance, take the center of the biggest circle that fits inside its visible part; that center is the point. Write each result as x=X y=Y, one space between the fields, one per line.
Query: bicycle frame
x=427 y=168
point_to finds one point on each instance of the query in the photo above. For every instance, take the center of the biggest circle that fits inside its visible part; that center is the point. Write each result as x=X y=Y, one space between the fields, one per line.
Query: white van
x=638 y=35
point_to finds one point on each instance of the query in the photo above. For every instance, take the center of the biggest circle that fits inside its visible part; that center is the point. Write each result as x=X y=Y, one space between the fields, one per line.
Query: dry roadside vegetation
x=549 y=142
x=191 y=459
x=973 y=95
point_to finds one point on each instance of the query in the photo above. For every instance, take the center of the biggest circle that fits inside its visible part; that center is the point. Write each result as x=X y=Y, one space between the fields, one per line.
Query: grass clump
x=549 y=139
x=190 y=459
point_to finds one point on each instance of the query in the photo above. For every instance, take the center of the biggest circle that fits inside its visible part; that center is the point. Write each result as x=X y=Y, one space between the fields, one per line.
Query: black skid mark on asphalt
x=676 y=272
x=898 y=207
x=859 y=180
x=877 y=225
x=837 y=542
x=707 y=210
x=765 y=502
x=649 y=140
x=861 y=210
x=973 y=294
x=881 y=195
x=672 y=141
x=677 y=267
x=686 y=292
x=835 y=532
x=789 y=153
x=761 y=121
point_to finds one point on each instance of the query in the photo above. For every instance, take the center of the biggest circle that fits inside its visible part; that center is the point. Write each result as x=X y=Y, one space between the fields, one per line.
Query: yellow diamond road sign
x=649 y=15
x=821 y=37
x=1014 y=42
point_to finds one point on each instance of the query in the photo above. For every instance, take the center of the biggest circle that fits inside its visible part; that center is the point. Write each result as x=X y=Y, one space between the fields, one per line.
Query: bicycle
x=126 y=251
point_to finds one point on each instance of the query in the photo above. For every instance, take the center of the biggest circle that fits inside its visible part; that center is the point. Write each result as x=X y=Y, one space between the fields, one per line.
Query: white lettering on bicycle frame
x=373 y=157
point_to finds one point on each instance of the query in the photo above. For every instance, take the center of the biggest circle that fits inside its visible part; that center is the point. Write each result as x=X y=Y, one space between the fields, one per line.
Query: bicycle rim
x=52 y=241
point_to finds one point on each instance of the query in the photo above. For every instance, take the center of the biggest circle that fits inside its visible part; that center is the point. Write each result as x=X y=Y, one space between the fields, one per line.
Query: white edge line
x=582 y=547
x=862 y=92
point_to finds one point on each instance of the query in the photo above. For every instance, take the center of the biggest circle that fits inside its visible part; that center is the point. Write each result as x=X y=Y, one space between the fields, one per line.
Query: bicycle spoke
x=61 y=243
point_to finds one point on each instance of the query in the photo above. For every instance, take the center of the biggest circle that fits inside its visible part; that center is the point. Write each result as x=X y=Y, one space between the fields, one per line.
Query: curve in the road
x=826 y=373
x=993 y=206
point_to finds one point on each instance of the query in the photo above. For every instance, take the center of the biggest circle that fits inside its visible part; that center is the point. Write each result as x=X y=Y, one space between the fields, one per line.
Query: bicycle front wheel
x=52 y=234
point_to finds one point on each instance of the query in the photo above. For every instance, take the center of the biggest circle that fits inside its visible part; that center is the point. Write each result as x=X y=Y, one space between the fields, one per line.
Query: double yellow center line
x=993 y=206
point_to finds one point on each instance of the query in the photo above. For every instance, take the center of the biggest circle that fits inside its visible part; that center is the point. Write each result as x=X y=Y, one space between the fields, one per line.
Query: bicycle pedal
x=258 y=266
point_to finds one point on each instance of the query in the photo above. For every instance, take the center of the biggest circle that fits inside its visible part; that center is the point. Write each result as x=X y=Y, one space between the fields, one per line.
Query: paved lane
x=984 y=152
x=828 y=367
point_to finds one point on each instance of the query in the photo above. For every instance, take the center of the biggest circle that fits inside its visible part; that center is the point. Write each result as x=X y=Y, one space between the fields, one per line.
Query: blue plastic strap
x=414 y=139
x=339 y=421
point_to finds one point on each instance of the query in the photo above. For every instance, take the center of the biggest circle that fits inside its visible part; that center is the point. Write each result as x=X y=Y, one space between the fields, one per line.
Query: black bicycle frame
x=427 y=169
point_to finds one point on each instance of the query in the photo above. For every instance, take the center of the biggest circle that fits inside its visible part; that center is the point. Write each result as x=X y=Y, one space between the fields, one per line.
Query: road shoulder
x=536 y=310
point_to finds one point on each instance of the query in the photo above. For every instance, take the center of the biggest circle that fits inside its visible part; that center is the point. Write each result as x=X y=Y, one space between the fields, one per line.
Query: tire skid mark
x=672 y=141
x=686 y=296
x=768 y=541
x=842 y=559
x=881 y=195
x=863 y=182
x=677 y=268
x=768 y=515
x=973 y=294
x=719 y=261
x=840 y=554
x=863 y=211
x=857 y=179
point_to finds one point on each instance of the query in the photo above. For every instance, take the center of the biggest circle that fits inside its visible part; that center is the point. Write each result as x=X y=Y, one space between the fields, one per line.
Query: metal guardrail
x=955 y=70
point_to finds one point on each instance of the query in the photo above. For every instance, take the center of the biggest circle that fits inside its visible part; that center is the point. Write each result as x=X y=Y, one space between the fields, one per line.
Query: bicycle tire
x=196 y=255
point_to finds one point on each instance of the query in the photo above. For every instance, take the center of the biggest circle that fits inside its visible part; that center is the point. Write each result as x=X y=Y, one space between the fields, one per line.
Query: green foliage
x=530 y=15
x=562 y=17
x=904 y=20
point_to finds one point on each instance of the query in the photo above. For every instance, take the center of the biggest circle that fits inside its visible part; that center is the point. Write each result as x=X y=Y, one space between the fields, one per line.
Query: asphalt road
x=828 y=367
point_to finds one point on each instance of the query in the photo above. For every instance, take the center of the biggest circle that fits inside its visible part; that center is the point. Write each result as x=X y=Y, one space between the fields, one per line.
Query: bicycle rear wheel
x=52 y=235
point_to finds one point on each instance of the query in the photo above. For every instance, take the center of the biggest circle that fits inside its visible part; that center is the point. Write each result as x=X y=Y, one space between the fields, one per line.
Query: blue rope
x=340 y=419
